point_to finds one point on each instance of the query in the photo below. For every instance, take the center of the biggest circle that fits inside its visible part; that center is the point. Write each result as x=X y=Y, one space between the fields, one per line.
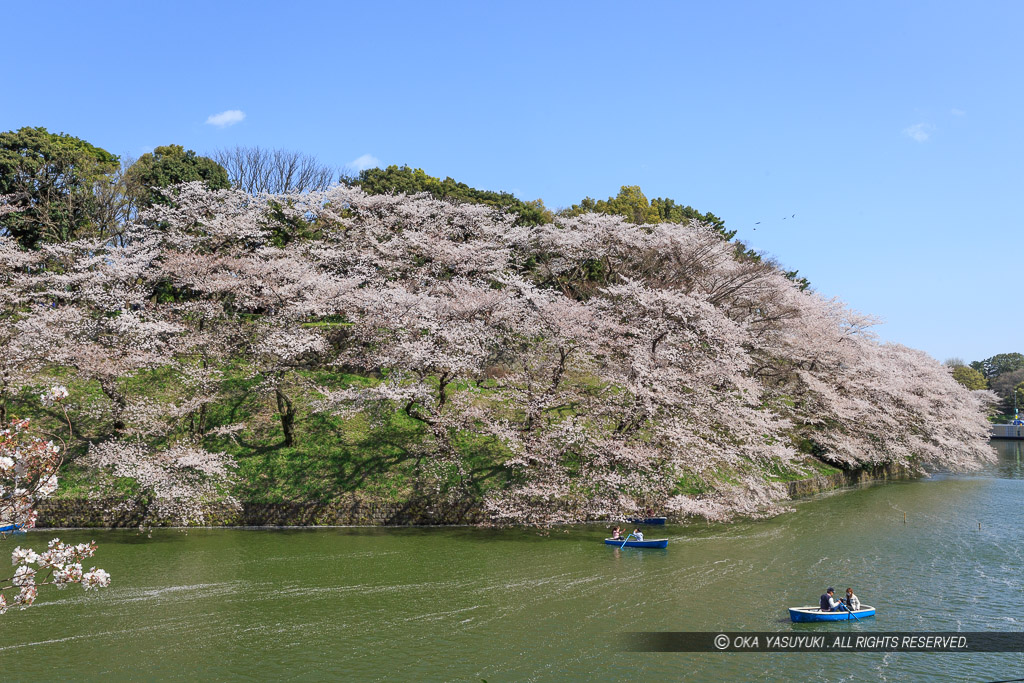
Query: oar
x=624 y=542
x=850 y=612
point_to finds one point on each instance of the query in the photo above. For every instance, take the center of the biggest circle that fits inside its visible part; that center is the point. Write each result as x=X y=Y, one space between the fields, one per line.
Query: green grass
x=691 y=485
x=384 y=455
x=809 y=467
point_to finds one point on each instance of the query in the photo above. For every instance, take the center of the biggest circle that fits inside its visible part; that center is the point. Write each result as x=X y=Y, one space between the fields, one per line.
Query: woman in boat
x=852 y=601
x=616 y=533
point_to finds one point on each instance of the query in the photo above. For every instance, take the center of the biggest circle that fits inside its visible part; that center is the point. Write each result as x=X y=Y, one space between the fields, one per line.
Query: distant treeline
x=66 y=188
x=1002 y=373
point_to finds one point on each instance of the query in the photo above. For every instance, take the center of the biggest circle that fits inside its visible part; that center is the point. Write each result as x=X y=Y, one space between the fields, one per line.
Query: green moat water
x=467 y=604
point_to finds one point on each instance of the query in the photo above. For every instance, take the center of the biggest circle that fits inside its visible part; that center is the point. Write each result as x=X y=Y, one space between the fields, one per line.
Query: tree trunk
x=287 y=412
x=109 y=387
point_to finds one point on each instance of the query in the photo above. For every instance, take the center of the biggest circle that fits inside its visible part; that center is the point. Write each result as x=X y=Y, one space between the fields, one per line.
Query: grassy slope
x=379 y=456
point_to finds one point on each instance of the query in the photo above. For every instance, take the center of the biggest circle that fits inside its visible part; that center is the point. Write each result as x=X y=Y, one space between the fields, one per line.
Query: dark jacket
x=824 y=603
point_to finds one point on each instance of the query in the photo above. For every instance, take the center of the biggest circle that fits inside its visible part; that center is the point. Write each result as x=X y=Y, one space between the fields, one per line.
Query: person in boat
x=639 y=536
x=828 y=602
x=616 y=533
x=851 y=601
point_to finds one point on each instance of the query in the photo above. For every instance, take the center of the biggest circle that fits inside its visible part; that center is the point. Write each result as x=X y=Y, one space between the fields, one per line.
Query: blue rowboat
x=647 y=520
x=11 y=529
x=633 y=543
x=814 y=613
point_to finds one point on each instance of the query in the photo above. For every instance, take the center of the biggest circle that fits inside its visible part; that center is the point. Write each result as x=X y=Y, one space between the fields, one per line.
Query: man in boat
x=828 y=602
x=851 y=601
x=639 y=536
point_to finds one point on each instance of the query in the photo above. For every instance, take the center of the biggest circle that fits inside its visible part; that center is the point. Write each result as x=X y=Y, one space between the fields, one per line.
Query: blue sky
x=892 y=130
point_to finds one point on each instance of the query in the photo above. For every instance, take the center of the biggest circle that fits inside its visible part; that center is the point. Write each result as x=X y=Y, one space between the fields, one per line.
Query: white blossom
x=95 y=578
x=23 y=556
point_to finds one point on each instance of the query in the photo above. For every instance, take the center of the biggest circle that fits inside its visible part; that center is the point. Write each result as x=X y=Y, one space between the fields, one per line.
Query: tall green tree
x=55 y=180
x=1005 y=385
x=999 y=364
x=670 y=212
x=969 y=377
x=630 y=203
x=405 y=180
x=169 y=165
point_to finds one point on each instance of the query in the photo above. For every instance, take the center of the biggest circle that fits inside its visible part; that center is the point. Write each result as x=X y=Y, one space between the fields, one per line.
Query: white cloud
x=364 y=162
x=957 y=112
x=919 y=132
x=226 y=118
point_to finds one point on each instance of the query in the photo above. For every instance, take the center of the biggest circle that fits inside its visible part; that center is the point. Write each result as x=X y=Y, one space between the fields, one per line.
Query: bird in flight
x=783 y=218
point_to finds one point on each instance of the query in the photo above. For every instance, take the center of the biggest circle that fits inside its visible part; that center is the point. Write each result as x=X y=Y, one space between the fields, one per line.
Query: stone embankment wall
x=355 y=510
x=803 y=488
x=348 y=511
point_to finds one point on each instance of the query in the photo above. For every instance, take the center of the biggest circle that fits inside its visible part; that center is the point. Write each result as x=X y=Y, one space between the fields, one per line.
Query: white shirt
x=639 y=536
x=854 y=601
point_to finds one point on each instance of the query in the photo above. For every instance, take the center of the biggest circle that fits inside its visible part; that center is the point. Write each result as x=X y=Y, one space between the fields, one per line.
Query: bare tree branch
x=256 y=170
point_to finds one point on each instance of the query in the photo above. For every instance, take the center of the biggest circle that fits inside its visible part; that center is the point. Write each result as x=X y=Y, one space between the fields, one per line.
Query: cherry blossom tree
x=609 y=361
x=86 y=308
x=28 y=474
x=253 y=297
x=604 y=368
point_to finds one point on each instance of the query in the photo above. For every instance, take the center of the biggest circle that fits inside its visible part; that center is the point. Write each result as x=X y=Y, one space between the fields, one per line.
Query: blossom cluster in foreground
x=59 y=565
x=28 y=474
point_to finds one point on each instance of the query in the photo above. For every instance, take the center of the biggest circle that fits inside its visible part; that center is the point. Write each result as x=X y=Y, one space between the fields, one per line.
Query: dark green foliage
x=999 y=364
x=405 y=180
x=286 y=228
x=802 y=281
x=54 y=179
x=169 y=165
x=670 y=212
x=1005 y=385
